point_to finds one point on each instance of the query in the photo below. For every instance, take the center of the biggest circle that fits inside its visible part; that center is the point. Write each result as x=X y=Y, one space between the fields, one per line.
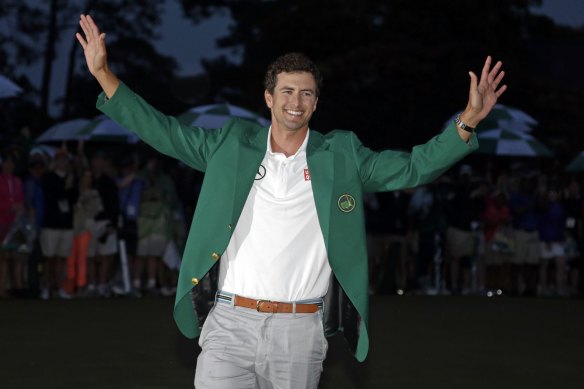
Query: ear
x=315 y=103
x=269 y=99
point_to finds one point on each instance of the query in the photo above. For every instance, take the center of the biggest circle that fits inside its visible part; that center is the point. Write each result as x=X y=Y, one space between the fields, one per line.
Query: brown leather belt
x=273 y=306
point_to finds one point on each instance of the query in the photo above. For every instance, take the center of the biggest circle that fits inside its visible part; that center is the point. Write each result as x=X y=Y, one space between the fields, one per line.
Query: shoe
x=104 y=291
x=63 y=295
x=135 y=293
x=118 y=290
x=167 y=291
x=45 y=294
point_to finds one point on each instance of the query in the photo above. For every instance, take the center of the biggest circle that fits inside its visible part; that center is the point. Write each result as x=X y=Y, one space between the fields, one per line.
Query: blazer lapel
x=250 y=156
x=321 y=167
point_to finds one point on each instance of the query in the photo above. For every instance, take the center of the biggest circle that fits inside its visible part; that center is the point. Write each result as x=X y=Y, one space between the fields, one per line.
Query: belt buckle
x=259 y=304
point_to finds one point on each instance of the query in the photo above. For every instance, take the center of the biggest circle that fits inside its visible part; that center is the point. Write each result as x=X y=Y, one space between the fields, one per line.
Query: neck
x=287 y=142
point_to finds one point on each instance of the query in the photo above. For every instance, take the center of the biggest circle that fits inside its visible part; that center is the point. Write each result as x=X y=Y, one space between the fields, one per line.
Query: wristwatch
x=462 y=124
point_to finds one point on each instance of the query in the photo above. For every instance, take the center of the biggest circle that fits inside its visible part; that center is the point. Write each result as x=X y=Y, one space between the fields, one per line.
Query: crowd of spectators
x=516 y=233
x=77 y=225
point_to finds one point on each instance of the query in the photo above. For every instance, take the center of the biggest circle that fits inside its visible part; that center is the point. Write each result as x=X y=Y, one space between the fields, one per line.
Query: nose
x=296 y=100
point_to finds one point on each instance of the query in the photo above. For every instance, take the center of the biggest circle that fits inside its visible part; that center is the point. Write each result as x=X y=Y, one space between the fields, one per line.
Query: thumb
x=473 y=82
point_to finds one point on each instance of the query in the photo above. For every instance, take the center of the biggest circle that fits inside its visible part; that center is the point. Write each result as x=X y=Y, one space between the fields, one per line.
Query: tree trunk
x=48 y=62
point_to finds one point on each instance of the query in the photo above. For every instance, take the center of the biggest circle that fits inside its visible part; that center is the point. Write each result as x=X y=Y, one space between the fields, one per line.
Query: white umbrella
x=8 y=88
x=63 y=131
x=511 y=143
x=216 y=115
x=105 y=129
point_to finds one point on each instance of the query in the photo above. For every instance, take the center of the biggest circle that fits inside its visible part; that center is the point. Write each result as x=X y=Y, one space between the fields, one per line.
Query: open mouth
x=293 y=113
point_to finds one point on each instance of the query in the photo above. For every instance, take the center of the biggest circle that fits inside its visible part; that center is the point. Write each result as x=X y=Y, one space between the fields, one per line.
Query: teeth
x=294 y=113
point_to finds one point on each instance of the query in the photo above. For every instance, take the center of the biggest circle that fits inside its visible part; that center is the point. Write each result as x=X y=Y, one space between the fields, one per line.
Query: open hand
x=484 y=93
x=93 y=45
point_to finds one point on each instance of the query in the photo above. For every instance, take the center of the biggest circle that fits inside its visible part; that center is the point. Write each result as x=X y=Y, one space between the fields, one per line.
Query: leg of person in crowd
x=412 y=253
x=504 y=274
x=424 y=261
x=377 y=249
x=61 y=278
x=481 y=275
x=454 y=274
x=543 y=286
x=560 y=264
x=91 y=289
x=465 y=277
x=137 y=274
x=33 y=270
x=575 y=277
x=515 y=278
x=3 y=273
x=105 y=264
x=19 y=261
x=46 y=276
x=152 y=273
x=166 y=279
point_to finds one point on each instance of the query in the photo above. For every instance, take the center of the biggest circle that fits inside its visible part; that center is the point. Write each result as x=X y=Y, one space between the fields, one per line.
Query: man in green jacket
x=281 y=208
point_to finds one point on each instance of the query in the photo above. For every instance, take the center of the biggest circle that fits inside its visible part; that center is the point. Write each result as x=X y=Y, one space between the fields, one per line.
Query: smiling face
x=293 y=101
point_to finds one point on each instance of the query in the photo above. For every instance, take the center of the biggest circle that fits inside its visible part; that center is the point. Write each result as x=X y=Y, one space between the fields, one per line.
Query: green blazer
x=339 y=165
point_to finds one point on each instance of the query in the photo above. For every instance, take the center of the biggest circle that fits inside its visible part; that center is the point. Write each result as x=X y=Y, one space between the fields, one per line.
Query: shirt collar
x=302 y=147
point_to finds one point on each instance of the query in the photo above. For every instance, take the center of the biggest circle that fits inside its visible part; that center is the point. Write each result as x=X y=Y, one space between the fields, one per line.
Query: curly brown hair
x=290 y=63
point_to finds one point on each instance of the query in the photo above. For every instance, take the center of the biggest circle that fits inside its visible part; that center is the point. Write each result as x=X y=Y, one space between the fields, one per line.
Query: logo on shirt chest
x=261 y=172
x=306 y=175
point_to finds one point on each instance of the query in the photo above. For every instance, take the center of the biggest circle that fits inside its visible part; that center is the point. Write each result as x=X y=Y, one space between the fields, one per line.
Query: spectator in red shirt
x=11 y=205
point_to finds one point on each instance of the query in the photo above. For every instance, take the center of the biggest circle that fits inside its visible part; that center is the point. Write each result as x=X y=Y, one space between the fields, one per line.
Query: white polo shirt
x=277 y=249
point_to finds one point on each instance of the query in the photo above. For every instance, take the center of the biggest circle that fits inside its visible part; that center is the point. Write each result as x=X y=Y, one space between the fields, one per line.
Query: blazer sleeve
x=192 y=145
x=392 y=170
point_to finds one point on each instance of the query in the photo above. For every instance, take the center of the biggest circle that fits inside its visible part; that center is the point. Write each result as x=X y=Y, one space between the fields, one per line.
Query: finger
x=84 y=27
x=81 y=40
x=486 y=67
x=102 y=40
x=497 y=80
x=87 y=30
x=494 y=71
x=501 y=90
x=473 y=83
x=94 y=28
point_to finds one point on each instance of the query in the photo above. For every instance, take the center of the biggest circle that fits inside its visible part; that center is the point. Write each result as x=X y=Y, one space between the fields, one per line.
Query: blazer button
x=194 y=281
x=215 y=256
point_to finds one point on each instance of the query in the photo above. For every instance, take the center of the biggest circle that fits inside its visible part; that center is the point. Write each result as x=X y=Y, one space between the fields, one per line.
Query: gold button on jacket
x=194 y=281
x=215 y=256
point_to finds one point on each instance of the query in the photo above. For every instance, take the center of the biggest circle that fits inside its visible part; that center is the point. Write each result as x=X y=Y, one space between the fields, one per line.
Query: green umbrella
x=577 y=164
x=506 y=118
x=511 y=143
x=216 y=115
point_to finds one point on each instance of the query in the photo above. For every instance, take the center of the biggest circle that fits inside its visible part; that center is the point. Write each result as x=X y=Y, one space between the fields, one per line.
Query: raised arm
x=482 y=96
x=96 y=55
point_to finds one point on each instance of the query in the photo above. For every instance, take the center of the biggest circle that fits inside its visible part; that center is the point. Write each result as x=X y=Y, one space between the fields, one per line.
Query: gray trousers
x=243 y=348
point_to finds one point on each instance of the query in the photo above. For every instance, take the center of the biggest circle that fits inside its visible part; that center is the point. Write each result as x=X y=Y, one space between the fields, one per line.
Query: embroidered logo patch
x=306 y=175
x=346 y=203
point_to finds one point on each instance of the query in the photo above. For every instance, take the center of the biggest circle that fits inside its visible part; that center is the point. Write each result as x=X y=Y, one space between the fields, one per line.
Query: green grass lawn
x=416 y=342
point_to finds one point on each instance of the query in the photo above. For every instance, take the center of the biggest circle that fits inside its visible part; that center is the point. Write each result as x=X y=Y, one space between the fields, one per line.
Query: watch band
x=462 y=124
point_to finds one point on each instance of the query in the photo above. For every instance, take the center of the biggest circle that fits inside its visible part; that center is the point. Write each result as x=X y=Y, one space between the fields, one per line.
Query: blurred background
x=386 y=64
x=485 y=313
